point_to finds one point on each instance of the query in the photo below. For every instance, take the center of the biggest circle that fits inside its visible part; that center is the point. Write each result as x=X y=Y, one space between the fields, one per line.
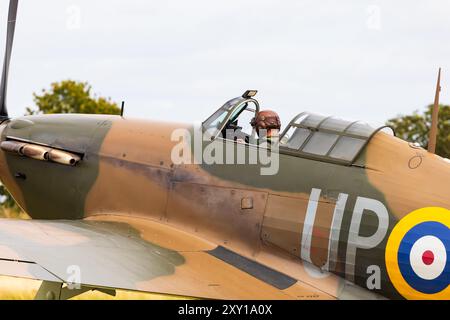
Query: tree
x=416 y=128
x=67 y=96
x=72 y=97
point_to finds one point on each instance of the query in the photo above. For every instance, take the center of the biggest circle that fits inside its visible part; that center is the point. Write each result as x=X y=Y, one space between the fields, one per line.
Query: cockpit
x=327 y=138
x=232 y=120
x=308 y=135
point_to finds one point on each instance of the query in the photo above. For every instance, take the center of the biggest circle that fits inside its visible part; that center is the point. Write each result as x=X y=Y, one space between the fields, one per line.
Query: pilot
x=267 y=125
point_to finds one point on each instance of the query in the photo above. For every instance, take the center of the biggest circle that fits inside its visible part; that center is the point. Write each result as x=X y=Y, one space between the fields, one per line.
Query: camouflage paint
x=297 y=176
x=127 y=171
x=45 y=194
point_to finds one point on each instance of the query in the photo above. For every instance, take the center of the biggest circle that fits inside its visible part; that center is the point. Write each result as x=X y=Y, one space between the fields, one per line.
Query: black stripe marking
x=18 y=261
x=257 y=270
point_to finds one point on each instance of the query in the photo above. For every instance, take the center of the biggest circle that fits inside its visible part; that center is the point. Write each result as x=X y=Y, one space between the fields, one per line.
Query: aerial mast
x=435 y=117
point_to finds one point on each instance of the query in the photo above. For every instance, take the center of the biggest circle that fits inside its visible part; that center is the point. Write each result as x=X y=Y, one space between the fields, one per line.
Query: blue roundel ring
x=430 y=228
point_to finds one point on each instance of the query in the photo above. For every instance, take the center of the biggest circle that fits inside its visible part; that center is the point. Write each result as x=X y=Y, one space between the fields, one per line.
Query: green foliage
x=67 y=96
x=7 y=202
x=72 y=97
x=9 y=207
x=416 y=128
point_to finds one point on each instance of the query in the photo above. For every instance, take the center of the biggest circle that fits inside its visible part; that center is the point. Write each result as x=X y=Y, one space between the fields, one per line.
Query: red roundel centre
x=428 y=257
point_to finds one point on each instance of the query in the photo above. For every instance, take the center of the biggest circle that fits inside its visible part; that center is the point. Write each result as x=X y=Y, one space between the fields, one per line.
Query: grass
x=13 y=213
x=24 y=289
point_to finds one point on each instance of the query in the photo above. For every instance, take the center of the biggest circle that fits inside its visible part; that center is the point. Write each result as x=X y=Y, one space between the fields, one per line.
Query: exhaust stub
x=63 y=157
x=12 y=146
x=38 y=152
x=35 y=152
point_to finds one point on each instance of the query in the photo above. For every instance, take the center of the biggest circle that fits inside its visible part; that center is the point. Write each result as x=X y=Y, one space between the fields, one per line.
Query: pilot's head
x=266 y=123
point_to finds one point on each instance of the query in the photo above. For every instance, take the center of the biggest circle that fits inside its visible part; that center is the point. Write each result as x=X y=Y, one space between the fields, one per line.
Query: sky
x=179 y=60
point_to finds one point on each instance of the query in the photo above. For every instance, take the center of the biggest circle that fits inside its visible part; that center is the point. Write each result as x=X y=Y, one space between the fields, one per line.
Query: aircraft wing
x=138 y=254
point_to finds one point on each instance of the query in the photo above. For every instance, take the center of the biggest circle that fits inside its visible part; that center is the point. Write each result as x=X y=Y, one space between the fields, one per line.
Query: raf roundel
x=428 y=257
x=417 y=254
